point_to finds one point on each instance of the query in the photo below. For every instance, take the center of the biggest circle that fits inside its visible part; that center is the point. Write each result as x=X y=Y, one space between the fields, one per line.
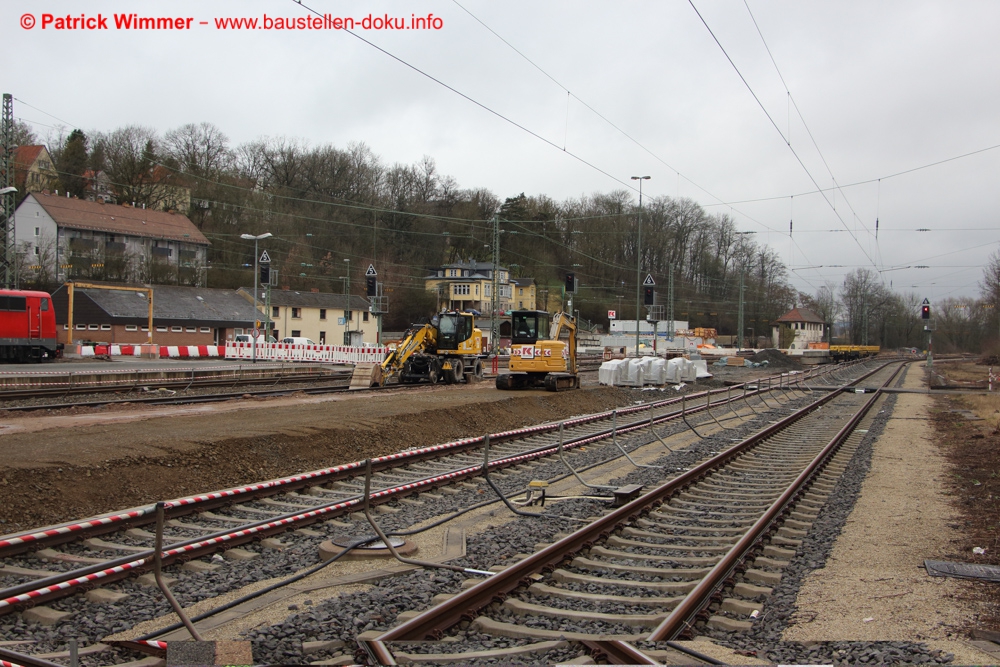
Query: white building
x=797 y=328
x=66 y=238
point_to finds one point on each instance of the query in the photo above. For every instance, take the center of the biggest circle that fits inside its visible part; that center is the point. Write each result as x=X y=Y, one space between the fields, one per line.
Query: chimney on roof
x=57 y=193
x=143 y=207
x=67 y=194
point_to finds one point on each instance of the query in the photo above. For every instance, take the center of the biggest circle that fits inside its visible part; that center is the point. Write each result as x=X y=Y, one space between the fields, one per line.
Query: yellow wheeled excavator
x=448 y=348
x=537 y=361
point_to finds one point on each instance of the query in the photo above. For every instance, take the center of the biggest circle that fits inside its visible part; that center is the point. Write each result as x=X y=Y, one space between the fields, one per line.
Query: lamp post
x=638 y=262
x=256 y=277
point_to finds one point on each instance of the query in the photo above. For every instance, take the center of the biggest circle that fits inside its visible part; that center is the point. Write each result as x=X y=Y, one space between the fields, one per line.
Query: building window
x=105 y=327
x=322 y=313
x=322 y=338
x=348 y=316
x=365 y=315
x=238 y=331
x=477 y=290
x=296 y=313
x=520 y=291
x=275 y=311
x=38 y=231
x=459 y=290
x=93 y=327
x=192 y=329
x=177 y=329
x=452 y=273
x=296 y=333
x=36 y=251
x=144 y=328
x=80 y=327
x=206 y=329
x=131 y=327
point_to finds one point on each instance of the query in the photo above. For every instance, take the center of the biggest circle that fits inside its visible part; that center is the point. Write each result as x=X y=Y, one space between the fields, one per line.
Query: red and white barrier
x=337 y=354
x=164 y=351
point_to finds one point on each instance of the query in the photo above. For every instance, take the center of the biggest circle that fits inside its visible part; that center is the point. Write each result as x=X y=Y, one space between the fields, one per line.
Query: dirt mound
x=110 y=466
x=775 y=359
x=989 y=360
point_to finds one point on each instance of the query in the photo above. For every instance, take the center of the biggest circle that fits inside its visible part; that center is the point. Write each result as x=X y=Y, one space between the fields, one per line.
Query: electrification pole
x=671 y=327
x=638 y=262
x=6 y=186
x=495 y=291
x=739 y=325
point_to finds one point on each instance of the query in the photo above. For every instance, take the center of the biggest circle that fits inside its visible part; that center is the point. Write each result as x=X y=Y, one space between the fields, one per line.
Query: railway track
x=48 y=565
x=702 y=550
x=143 y=391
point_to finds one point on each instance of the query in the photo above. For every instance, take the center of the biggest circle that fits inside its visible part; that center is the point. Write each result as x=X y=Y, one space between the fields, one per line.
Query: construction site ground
x=87 y=461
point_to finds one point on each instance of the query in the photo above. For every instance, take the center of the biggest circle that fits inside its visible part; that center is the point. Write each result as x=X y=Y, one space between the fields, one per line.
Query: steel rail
x=62 y=584
x=137 y=381
x=700 y=596
x=429 y=624
x=53 y=535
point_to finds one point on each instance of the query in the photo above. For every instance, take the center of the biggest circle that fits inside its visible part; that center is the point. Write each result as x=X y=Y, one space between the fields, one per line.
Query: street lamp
x=256 y=276
x=7 y=191
x=638 y=262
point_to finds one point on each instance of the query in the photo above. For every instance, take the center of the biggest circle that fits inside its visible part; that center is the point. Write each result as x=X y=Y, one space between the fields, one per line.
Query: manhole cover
x=345 y=542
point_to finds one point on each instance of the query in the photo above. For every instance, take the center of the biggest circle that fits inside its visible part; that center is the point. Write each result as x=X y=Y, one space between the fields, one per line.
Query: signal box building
x=798 y=328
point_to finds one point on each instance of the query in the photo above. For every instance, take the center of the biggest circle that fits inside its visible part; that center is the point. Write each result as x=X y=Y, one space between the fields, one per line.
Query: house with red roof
x=797 y=328
x=34 y=170
x=65 y=238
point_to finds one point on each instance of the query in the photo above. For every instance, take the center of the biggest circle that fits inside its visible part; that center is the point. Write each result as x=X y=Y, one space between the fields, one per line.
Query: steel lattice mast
x=7 y=200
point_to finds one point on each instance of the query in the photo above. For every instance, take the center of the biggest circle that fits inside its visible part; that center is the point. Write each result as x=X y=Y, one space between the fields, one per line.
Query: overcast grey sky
x=883 y=87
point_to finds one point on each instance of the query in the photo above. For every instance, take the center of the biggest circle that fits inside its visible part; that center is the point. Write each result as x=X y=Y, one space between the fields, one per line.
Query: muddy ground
x=968 y=430
x=60 y=466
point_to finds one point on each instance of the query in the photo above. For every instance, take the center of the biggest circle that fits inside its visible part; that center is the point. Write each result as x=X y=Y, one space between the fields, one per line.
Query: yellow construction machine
x=448 y=348
x=536 y=361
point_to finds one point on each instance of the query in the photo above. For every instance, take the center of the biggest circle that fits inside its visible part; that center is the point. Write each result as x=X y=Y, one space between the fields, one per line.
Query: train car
x=27 y=326
x=851 y=352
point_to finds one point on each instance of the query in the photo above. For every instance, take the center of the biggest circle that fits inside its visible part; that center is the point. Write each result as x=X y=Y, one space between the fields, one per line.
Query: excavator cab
x=527 y=326
x=453 y=329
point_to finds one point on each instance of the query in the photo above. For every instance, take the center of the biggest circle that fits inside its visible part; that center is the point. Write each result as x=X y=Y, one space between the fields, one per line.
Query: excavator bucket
x=366 y=375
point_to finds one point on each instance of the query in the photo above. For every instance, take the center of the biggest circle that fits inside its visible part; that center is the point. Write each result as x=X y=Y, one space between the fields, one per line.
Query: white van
x=297 y=340
x=247 y=338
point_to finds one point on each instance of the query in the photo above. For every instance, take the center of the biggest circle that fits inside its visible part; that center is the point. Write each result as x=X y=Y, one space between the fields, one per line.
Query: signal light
x=371 y=286
x=571 y=282
x=647 y=296
x=925 y=312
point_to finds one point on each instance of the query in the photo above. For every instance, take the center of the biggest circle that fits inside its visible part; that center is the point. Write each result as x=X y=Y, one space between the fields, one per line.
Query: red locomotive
x=27 y=326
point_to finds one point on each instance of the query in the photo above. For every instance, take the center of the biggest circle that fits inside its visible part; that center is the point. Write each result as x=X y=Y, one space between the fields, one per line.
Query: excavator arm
x=563 y=321
x=416 y=341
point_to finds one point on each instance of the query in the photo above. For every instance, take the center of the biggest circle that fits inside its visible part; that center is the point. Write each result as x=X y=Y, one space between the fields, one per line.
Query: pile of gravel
x=775 y=359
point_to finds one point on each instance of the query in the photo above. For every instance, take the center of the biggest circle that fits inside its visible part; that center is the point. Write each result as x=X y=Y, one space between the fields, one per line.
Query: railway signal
x=925 y=310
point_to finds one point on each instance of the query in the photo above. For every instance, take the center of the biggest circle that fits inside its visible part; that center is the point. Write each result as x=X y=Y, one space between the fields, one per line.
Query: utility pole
x=495 y=291
x=864 y=320
x=739 y=320
x=7 y=198
x=671 y=327
x=638 y=262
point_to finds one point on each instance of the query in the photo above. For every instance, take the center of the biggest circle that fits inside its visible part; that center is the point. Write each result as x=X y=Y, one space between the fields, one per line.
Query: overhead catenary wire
x=780 y=133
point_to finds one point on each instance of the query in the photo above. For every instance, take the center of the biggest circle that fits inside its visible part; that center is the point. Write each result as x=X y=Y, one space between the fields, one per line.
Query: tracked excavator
x=448 y=348
x=537 y=361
